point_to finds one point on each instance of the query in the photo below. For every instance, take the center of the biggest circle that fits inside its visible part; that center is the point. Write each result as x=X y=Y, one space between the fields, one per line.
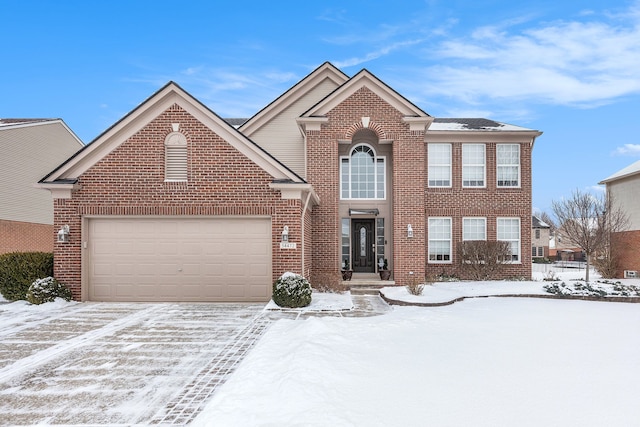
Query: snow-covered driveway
x=96 y=363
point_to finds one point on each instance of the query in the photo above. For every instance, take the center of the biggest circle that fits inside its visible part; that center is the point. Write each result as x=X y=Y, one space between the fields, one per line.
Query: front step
x=368 y=286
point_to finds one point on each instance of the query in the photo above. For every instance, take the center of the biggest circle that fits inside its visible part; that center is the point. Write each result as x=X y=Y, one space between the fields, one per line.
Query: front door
x=363 y=246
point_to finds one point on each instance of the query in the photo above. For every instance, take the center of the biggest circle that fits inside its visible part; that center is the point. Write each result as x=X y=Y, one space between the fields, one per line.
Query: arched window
x=362 y=174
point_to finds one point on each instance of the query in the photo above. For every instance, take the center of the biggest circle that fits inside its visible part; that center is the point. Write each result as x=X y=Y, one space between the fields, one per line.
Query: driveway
x=99 y=363
x=127 y=363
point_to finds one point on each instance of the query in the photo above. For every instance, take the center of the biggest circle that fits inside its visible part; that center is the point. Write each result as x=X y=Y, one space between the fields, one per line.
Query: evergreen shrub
x=18 y=270
x=292 y=291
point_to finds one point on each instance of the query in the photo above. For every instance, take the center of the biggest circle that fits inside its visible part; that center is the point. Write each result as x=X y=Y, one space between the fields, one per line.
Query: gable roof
x=538 y=223
x=630 y=170
x=323 y=72
x=364 y=78
x=157 y=103
x=11 y=123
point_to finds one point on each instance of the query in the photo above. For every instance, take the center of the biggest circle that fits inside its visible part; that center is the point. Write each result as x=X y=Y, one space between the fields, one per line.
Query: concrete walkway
x=126 y=363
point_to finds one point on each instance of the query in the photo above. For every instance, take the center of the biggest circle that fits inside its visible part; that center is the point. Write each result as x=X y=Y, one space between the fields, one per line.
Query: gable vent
x=175 y=165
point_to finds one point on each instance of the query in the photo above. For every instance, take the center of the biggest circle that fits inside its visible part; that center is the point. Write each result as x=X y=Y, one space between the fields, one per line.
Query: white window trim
x=450 y=164
x=484 y=166
x=519 y=240
x=375 y=174
x=518 y=165
x=450 y=261
x=474 y=217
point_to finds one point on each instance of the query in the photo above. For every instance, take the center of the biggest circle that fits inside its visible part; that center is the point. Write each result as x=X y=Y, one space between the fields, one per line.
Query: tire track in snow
x=29 y=363
x=48 y=318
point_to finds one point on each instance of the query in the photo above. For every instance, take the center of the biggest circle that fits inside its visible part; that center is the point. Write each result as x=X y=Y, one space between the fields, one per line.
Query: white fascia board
x=295 y=191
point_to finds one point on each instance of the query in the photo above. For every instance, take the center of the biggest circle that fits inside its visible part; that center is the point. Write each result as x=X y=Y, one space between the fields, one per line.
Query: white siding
x=625 y=194
x=28 y=153
x=281 y=137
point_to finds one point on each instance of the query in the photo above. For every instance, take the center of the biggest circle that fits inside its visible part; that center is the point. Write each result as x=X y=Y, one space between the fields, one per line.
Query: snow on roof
x=473 y=124
x=632 y=169
x=12 y=122
x=538 y=223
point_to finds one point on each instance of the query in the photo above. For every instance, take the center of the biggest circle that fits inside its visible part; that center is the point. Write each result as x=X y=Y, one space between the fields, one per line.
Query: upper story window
x=175 y=157
x=362 y=174
x=508 y=165
x=439 y=172
x=473 y=165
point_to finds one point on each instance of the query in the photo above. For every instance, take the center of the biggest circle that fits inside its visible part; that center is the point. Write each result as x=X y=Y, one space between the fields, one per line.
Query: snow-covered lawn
x=478 y=362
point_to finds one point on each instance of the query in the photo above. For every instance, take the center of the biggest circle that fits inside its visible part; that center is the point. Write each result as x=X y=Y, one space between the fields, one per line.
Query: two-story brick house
x=174 y=203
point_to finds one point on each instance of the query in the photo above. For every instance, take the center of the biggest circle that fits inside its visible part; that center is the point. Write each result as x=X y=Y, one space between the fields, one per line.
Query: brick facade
x=18 y=236
x=223 y=180
x=129 y=181
x=630 y=255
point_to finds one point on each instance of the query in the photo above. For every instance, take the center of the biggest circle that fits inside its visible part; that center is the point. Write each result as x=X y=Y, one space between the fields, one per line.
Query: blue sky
x=569 y=70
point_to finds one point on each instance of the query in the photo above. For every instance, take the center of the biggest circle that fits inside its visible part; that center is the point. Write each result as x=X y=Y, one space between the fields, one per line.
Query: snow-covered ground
x=480 y=362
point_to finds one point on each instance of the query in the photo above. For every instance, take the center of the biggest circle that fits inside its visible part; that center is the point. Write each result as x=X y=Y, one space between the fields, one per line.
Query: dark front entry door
x=362 y=246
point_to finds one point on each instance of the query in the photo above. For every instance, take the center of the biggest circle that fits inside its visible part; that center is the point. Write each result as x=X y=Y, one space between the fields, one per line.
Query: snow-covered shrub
x=19 y=269
x=47 y=290
x=292 y=290
x=600 y=288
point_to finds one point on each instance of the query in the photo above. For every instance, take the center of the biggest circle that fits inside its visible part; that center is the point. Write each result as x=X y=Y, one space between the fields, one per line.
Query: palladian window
x=362 y=174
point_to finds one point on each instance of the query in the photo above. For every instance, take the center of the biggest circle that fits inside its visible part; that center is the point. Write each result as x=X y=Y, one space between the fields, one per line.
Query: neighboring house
x=173 y=203
x=539 y=238
x=30 y=149
x=624 y=187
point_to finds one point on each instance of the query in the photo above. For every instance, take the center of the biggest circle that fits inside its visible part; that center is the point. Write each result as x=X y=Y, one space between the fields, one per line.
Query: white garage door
x=179 y=259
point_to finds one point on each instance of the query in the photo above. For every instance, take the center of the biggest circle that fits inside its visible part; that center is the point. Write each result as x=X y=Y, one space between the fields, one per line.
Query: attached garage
x=215 y=259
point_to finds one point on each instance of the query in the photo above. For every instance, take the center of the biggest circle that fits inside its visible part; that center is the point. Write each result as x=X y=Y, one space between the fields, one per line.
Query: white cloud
x=628 y=150
x=565 y=62
x=385 y=50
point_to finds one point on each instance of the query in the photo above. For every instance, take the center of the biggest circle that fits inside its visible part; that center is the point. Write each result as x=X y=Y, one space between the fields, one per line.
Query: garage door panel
x=179 y=259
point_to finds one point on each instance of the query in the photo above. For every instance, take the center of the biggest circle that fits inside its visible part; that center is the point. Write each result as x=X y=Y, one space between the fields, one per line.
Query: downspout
x=304 y=211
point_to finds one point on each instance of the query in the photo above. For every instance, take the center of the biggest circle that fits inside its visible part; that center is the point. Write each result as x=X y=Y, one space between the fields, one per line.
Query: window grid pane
x=439 y=239
x=508 y=165
x=509 y=231
x=439 y=165
x=473 y=165
x=474 y=229
x=363 y=175
x=346 y=248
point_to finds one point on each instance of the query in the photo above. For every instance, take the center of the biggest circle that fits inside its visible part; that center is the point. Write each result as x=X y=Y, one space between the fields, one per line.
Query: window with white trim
x=508 y=165
x=439 y=172
x=508 y=230
x=175 y=157
x=473 y=165
x=440 y=240
x=474 y=229
x=362 y=174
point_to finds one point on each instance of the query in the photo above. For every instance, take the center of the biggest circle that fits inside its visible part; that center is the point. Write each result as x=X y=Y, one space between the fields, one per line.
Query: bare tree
x=584 y=219
x=547 y=219
x=615 y=220
x=483 y=259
